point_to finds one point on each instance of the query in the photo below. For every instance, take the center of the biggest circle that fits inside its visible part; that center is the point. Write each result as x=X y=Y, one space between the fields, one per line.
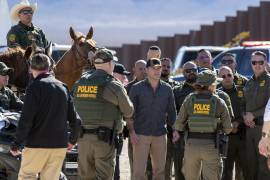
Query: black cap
x=120 y=69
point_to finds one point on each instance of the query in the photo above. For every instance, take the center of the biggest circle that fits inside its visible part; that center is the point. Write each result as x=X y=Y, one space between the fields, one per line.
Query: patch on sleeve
x=12 y=37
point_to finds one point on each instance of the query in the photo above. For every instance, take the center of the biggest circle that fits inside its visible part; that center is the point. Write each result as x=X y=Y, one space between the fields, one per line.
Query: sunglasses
x=156 y=67
x=193 y=70
x=25 y=12
x=226 y=75
x=257 y=62
x=203 y=57
x=227 y=61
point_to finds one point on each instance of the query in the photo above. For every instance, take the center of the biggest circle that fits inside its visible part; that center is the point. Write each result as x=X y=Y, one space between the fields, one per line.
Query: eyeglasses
x=257 y=62
x=226 y=75
x=25 y=12
x=227 y=61
x=193 y=70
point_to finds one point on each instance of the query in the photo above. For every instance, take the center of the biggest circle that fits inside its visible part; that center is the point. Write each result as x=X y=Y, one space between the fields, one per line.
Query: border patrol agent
x=25 y=33
x=236 y=146
x=201 y=113
x=229 y=60
x=256 y=93
x=181 y=91
x=8 y=99
x=101 y=102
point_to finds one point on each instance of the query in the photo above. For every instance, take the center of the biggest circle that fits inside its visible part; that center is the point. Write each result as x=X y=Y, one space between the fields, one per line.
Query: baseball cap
x=103 y=56
x=120 y=69
x=153 y=62
x=207 y=78
x=4 y=70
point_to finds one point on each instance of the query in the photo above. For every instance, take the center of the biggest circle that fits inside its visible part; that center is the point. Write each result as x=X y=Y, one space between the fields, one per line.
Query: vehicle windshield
x=191 y=55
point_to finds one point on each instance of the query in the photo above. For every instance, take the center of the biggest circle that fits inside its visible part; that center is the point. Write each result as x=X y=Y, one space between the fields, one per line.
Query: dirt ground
x=124 y=163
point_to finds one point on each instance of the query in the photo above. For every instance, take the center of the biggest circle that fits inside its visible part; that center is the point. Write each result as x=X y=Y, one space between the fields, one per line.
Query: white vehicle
x=188 y=53
x=59 y=50
x=243 y=55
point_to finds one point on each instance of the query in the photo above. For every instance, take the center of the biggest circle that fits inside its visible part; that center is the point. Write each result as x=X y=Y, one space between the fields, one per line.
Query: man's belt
x=195 y=135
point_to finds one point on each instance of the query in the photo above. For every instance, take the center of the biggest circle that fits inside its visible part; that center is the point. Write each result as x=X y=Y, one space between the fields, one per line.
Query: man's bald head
x=139 y=69
x=189 y=65
x=141 y=61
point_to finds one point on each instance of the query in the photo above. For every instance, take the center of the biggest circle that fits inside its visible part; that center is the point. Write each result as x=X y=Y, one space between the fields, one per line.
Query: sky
x=117 y=22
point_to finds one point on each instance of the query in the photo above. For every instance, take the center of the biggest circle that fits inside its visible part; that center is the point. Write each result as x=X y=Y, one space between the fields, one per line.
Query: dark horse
x=69 y=67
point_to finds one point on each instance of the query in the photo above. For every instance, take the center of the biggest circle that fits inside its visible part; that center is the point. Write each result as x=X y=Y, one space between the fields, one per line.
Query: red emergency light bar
x=255 y=43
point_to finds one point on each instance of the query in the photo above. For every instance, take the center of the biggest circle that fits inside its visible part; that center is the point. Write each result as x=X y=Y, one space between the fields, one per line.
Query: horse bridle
x=80 y=57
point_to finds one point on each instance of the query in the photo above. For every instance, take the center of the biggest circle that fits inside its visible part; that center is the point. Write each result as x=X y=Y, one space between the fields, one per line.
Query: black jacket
x=48 y=110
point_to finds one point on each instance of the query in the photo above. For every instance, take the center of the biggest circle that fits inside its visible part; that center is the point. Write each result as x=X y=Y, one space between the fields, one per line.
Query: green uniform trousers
x=256 y=164
x=201 y=159
x=175 y=155
x=96 y=158
x=236 y=155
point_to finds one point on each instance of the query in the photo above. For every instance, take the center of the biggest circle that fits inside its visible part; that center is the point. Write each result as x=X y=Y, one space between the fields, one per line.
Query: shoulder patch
x=12 y=37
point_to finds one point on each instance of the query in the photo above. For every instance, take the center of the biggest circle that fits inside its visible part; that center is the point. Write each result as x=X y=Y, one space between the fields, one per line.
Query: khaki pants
x=156 y=146
x=96 y=158
x=46 y=161
x=201 y=155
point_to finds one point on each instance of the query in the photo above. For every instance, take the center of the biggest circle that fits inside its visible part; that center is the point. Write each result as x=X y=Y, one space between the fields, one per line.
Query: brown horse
x=69 y=68
x=15 y=59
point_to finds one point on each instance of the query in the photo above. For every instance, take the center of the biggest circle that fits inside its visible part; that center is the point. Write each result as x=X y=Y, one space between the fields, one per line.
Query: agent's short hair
x=40 y=62
x=166 y=59
x=154 y=48
x=229 y=54
x=204 y=50
x=259 y=53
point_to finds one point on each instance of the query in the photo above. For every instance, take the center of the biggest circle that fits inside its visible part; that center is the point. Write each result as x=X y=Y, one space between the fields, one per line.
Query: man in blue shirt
x=154 y=106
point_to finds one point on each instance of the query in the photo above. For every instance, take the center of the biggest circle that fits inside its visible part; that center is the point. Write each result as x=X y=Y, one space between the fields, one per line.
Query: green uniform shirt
x=227 y=101
x=23 y=36
x=221 y=112
x=239 y=79
x=257 y=93
x=180 y=92
x=113 y=92
x=9 y=101
x=237 y=99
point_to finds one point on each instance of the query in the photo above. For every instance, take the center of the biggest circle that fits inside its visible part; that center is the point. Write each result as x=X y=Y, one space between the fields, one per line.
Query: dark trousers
x=175 y=155
x=119 y=148
x=236 y=154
